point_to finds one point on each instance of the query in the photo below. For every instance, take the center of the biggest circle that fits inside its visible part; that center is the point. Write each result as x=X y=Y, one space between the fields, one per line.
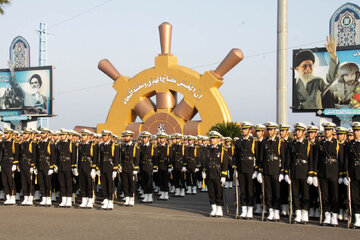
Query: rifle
x=320 y=205
x=93 y=191
x=263 y=199
x=236 y=194
x=290 y=201
x=134 y=182
x=349 y=210
x=31 y=183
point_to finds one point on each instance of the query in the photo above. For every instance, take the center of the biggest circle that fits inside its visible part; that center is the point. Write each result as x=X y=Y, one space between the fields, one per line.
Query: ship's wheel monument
x=153 y=95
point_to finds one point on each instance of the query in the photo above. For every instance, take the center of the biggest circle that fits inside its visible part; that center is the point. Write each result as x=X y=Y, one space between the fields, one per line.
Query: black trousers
x=8 y=181
x=258 y=192
x=329 y=194
x=342 y=196
x=146 y=180
x=55 y=186
x=179 y=180
x=65 y=182
x=284 y=192
x=300 y=194
x=215 y=191
x=86 y=183
x=44 y=182
x=75 y=183
x=272 y=191
x=17 y=178
x=191 y=178
x=128 y=183
x=156 y=178
x=314 y=195
x=107 y=184
x=26 y=181
x=355 y=195
x=246 y=189
x=118 y=184
x=164 y=180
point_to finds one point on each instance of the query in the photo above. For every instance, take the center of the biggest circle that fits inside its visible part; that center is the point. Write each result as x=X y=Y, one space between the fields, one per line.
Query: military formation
x=300 y=174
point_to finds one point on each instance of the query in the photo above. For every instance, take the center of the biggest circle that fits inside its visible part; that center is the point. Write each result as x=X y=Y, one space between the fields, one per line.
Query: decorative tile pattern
x=345 y=25
x=20 y=52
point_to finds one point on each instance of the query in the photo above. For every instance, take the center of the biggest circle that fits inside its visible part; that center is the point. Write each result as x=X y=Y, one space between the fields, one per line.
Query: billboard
x=26 y=92
x=321 y=83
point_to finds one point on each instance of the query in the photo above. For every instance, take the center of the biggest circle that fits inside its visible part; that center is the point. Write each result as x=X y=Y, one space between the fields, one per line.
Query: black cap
x=303 y=56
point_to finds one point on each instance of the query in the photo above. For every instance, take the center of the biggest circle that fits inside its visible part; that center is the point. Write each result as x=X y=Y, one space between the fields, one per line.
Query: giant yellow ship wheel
x=152 y=95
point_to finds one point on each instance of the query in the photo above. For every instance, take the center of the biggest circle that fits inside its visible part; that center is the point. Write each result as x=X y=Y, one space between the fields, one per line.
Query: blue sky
x=126 y=32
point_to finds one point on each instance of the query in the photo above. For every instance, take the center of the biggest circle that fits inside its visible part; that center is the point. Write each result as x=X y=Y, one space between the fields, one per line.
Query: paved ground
x=179 y=218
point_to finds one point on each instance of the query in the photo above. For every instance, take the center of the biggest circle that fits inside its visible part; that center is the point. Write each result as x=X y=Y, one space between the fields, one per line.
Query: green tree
x=227 y=129
x=2 y=4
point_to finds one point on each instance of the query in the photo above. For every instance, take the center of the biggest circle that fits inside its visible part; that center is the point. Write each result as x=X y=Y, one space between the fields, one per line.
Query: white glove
x=196 y=169
x=114 y=175
x=119 y=169
x=281 y=177
x=183 y=169
x=135 y=172
x=223 y=180
x=309 y=180
x=98 y=173
x=155 y=170
x=287 y=179
x=93 y=174
x=346 y=181
x=31 y=170
x=50 y=172
x=35 y=171
x=259 y=178
x=75 y=172
x=0 y=168
x=254 y=175
x=203 y=174
x=315 y=182
x=13 y=168
x=170 y=170
x=340 y=180
x=56 y=169
x=18 y=168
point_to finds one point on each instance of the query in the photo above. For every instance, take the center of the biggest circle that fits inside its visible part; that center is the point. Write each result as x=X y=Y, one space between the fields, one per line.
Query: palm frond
x=227 y=129
x=2 y=3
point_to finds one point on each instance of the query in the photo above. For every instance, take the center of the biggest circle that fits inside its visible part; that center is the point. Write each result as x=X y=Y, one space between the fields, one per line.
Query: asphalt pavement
x=178 y=218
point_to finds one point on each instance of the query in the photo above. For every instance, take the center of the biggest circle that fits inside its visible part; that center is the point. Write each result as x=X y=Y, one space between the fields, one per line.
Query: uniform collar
x=273 y=138
x=212 y=146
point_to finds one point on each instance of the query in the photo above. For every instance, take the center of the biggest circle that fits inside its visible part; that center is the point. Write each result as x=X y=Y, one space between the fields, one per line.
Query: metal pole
x=43 y=122
x=42 y=44
x=282 y=63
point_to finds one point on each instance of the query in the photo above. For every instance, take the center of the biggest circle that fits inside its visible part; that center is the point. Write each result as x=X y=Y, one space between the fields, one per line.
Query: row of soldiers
x=276 y=170
x=50 y=161
x=299 y=172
